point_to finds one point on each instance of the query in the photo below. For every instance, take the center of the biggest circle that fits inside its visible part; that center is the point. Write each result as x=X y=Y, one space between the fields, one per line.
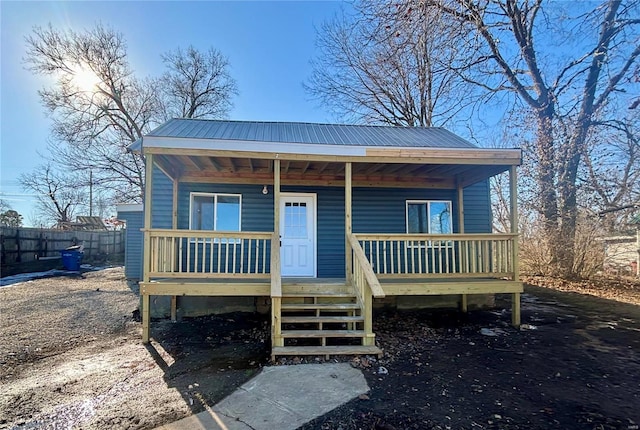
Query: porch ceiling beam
x=479 y=174
x=251 y=165
x=215 y=164
x=394 y=168
x=505 y=157
x=456 y=170
x=328 y=180
x=232 y=164
x=323 y=167
x=168 y=167
x=296 y=176
x=306 y=167
x=373 y=169
x=410 y=169
x=428 y=169
x=286 y=167
x=195 y=162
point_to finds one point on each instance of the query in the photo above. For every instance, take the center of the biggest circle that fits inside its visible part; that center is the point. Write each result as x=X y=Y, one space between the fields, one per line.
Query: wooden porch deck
x=328 y=314
x=262 y=287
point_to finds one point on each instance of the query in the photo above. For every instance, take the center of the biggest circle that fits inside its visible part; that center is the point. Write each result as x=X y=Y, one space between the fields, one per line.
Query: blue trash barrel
x=71 y=260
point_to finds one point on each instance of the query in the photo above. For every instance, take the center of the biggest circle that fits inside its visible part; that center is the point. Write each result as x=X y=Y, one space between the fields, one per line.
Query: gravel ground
x=71 y=357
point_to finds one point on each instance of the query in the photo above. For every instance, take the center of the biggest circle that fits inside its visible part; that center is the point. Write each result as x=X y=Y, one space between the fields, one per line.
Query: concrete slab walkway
x=280 y=397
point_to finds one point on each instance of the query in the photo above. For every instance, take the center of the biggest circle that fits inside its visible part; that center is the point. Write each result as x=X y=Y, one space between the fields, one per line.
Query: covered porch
x=318 y=314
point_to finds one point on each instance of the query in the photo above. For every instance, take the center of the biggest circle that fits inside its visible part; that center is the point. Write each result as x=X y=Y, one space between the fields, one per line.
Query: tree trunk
x=546 y=181
x=568 y=206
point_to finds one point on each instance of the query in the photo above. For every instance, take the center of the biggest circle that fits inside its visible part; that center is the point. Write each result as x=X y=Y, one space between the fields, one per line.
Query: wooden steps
x=327 y=350
x=302 y=294
x=320 y=306
x=321 y=319
x=322 y=333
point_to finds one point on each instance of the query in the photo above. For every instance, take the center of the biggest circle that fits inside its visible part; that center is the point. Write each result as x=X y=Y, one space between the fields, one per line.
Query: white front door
x=298 y=234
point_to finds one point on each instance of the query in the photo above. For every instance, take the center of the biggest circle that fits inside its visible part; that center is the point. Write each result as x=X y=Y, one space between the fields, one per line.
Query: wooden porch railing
x=440 y=255
x=366 y=286
x=209 y=254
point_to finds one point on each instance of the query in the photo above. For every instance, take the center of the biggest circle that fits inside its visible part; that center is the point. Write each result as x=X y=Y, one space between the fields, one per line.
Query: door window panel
x=295 y=220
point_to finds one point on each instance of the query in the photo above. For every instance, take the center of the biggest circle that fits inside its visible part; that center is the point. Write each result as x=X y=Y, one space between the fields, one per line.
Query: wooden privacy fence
x=23 y=245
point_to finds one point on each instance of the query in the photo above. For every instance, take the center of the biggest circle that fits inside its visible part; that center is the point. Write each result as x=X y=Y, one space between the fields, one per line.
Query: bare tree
x=390 y=63
x=196 y=84
x=563 y=65
x=559 y=65
x=58 y=195
x=4 y=206
x=610 y=182
x=99 y=107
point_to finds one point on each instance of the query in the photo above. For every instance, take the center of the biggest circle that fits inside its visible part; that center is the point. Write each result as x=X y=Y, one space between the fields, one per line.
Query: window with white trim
x=429 y=216
x=217 y=212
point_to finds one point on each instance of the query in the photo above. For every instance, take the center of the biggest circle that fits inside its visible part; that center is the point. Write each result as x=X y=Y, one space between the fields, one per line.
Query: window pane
x=228 y=213
x=202 y=213
x=417 y=218
x=440 y=217
x=295 y=220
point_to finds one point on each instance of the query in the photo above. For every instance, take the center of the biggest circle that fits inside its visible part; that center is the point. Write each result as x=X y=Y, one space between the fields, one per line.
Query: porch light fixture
x=265 y=190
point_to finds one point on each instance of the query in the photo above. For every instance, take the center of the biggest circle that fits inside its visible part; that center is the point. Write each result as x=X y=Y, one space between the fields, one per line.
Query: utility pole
x=638 y=251
x=90 y=192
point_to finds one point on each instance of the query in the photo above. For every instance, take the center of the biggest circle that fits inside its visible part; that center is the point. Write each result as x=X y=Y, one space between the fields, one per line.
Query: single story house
x=320 y=220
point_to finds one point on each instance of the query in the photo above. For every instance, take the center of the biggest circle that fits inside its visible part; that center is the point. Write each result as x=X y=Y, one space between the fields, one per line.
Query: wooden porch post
x=348 y=226
x=513 y=194
x=174 y=225
x=276 y=302
x=148 y=181
x=460 y=194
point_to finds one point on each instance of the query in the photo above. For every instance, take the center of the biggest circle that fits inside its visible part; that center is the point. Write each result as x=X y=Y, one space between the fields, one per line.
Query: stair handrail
x=360 y=260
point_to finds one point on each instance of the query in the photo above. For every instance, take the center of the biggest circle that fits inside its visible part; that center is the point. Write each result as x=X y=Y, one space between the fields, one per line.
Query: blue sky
x=268 y=44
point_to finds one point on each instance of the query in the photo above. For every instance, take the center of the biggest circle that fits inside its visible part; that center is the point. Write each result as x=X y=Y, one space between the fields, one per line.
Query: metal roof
x=296 y=132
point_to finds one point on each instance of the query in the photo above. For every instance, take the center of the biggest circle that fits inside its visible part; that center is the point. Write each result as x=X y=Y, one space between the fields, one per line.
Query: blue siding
x=257 y=208
x=375 y=210
x=477 y=208
x=162 y=205
x=382 y=210
x=133 y=243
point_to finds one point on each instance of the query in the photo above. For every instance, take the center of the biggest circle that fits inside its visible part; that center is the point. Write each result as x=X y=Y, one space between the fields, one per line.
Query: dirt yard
x=71 y=357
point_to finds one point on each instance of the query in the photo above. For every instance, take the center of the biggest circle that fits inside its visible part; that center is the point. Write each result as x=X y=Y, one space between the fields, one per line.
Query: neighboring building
x=621 y=255
x=317 y=220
